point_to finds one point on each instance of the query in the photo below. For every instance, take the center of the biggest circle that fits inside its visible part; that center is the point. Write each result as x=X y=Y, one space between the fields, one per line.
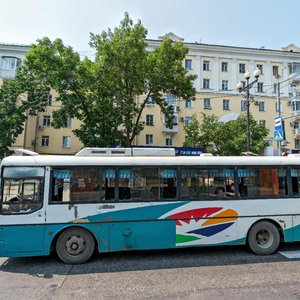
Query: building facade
x=218 y=68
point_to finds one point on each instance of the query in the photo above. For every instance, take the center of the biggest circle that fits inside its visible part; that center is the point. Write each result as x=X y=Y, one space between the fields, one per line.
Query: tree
x=108 y=95
x=225 y=138
x=12 y=116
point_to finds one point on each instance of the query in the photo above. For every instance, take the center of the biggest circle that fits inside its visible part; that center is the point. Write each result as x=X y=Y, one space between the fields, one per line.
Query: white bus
x=76 y=205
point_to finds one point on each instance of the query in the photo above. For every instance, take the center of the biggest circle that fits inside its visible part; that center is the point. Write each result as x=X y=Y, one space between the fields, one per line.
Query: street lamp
x=246 y=89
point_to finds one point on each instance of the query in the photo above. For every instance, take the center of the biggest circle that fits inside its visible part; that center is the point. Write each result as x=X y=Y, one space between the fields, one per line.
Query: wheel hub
x=264 y=238
x=75 y=245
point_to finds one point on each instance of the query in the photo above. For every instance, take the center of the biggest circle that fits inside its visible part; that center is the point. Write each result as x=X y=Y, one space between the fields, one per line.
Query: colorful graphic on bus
x=195 y=224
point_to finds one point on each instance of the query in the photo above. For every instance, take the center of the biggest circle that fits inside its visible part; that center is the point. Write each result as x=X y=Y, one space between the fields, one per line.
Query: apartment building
x=219 y=68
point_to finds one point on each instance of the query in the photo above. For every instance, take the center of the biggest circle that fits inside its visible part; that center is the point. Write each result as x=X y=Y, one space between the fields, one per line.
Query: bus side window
x=60 y=185
x=108 y=184
x=168 y=183
x=295 y=176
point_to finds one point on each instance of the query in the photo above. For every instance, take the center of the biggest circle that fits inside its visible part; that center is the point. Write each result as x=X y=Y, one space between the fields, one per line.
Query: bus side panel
x=99 y=230
x=142 y=235
x=294 y=232
x=25 y=240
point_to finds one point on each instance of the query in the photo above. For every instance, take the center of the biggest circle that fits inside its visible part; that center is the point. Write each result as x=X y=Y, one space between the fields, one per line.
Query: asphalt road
x=198 y=273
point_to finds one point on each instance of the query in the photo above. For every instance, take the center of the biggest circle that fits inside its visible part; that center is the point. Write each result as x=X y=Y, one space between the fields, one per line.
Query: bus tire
x=75 y=245
x=263 y=238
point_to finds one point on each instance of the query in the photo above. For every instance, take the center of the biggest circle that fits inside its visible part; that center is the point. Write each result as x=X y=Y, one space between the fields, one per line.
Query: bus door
x=22 y=214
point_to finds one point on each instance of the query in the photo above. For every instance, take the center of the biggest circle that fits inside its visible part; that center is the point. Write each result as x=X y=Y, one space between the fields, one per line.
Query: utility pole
x=279 y=114
x=247 y=90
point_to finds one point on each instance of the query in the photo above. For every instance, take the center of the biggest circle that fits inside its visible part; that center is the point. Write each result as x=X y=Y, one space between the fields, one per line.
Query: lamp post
x=246 y=89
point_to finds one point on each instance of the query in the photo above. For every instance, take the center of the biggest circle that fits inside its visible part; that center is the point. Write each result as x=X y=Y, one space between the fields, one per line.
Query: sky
x=269 y=23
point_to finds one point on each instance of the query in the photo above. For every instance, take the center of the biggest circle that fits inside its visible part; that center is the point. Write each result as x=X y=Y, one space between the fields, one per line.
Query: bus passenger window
x=125 y=184
x=145 y=184
x=262 y=182
x=190 y=179
x=168 y=182
x=61 y=185
x=295 y=175
x=109 y=183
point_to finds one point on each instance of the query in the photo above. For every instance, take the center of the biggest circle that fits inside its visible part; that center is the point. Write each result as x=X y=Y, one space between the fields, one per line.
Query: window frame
x=42 y=182
x=224 y=66
x=242 y=68
x=149 y=120
x=43 y=139
x=188 y=64
x=206 y=65
x=206 y=83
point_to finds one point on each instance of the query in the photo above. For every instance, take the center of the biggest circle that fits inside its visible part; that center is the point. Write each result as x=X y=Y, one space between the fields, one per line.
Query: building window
x=275 y=88
x=243 y=105
x=261 y=68
x=260 y=87
x=171 y=100
x=242 y=68
x=207 y=103
x=49 y=100
x=205 y=65
x=224 y=85
x=297 y=144
x=45 y=141
x=188 y=64
x=262 y=123
x=66 y=142
x=46 y=121
x=68 y=123
x=149 y=139
x=10 y=63
x=225 y=104
x=261 y=106
x=149 y=120
x=150 y=101
x=188 y=121
x=275 y=70
x=188 y=103
x=169 y=140
x=224 y=67
x=206 y=84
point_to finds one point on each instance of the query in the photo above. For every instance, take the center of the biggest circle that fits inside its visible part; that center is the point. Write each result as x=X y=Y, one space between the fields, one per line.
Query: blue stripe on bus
x=209 y=231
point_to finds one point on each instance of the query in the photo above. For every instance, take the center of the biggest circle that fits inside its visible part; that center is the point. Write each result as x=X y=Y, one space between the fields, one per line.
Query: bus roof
x=57 y=161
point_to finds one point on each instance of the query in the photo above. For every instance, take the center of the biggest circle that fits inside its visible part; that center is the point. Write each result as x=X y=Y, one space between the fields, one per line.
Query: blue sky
x=256 y=23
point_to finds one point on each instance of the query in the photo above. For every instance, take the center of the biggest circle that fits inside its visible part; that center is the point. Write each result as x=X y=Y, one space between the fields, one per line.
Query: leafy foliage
x=107 y=95
x=12 y=116
x=225 y=138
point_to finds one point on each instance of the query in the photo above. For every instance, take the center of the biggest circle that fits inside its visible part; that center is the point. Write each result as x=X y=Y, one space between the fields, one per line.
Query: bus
x=105 y=200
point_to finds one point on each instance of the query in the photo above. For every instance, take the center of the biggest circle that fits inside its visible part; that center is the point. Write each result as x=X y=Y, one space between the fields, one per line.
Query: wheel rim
x=264 y=238
x=75 y=245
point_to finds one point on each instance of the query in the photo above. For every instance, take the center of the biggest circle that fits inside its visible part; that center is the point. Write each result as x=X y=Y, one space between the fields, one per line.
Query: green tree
x=108 y=95
x=12 y=116
x=225 y=138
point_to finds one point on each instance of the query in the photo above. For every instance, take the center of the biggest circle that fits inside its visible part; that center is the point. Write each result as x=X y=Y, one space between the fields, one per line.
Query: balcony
x=174 y=129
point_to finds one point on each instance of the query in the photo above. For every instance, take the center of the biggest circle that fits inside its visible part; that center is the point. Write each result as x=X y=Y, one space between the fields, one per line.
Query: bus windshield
x=21 y=190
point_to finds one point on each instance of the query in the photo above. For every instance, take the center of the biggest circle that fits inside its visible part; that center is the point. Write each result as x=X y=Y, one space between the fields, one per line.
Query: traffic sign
x=278 y=135
x=278 y=123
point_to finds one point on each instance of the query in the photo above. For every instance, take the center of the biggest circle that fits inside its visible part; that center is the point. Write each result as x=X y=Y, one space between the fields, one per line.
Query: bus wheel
x=75 y=246
x=263 y=238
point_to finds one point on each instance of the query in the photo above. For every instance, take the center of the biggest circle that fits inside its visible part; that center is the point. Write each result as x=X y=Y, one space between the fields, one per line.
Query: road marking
x=290 y=254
